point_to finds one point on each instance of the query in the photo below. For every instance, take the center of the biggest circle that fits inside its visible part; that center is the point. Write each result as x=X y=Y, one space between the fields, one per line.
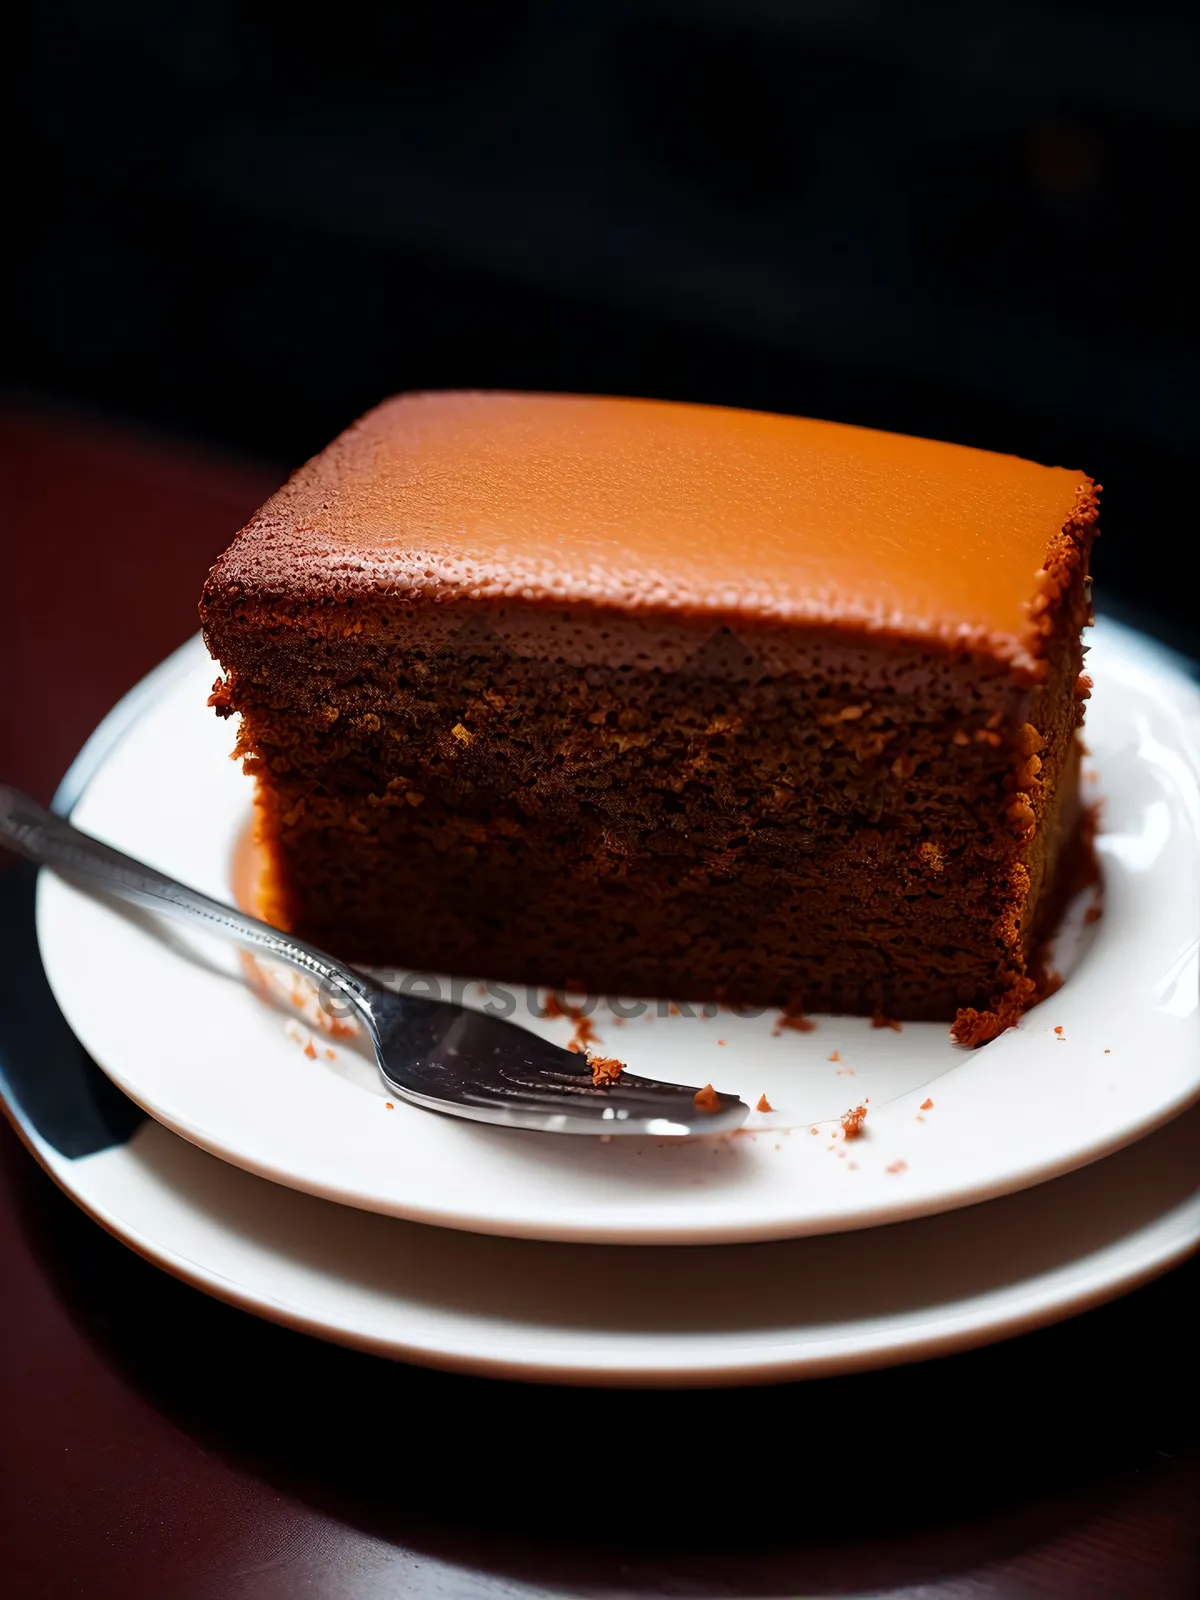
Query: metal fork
x=436 y=1054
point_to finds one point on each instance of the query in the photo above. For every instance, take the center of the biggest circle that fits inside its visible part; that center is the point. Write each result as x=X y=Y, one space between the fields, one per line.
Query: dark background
x=247 y=222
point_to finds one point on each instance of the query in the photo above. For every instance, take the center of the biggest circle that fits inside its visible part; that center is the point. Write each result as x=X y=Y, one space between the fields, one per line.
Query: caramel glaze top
x=672 y=511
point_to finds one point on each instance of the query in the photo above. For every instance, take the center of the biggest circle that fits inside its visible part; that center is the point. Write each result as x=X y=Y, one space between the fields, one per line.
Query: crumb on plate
x=852 y=1122
x=792 y=1017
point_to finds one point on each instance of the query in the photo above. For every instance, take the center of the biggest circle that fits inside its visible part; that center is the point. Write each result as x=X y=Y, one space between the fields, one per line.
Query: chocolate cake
x=666 y=700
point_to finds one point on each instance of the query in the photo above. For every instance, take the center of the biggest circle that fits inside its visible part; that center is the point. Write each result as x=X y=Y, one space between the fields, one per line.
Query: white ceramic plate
x=514 y=1308
x=1112 y=1055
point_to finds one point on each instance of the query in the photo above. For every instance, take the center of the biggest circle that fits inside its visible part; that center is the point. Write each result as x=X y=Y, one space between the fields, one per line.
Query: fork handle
x=53 y=842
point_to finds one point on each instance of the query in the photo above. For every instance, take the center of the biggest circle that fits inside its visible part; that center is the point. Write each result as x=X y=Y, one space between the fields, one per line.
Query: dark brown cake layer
x=825 y=837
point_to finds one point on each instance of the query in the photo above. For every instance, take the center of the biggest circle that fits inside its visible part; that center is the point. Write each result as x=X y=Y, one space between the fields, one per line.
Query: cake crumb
x=1108 y=1052
x=897 y=1166
x=1058 y=1030
x=720 y=1041
x=835 y=1056
x=792 y=1017
x=605 y=1069
x=926 y=1105
x=764 y=1104
x=972 y=1028
x=584 y=1034
x=707 y=1099
x=310 y=1050
x=331 y=1055
x=882 y=1020
x=553 y=1006
x=388 y=1105
x=585 y=1030
x=852 y=1122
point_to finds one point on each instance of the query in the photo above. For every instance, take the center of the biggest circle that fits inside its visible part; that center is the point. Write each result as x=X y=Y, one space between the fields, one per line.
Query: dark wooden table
x=154 y=1443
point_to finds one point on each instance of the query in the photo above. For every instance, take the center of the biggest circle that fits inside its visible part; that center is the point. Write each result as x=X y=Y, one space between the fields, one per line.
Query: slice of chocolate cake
x=665 y=700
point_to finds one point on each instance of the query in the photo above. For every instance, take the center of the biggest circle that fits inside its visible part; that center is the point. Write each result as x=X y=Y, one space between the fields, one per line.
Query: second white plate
x=555 y=1313
x=1113 y=1054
